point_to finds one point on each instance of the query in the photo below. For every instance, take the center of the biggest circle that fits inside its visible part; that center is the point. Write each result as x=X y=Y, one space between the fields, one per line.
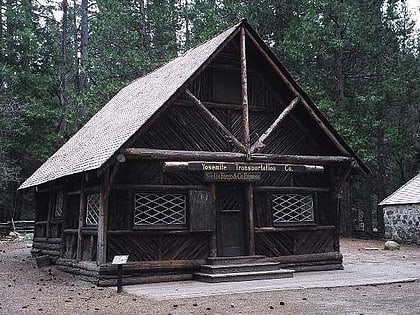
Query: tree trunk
x=62 y=91
x=339 y=64
x=83 y=44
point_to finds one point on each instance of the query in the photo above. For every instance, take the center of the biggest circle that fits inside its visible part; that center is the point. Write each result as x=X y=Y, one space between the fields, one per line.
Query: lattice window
x=159 y=209
x=59 y=204
x=92 y=209
x=292 y=208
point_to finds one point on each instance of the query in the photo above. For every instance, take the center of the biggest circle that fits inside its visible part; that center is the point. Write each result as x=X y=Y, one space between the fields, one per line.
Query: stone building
x=402 y=212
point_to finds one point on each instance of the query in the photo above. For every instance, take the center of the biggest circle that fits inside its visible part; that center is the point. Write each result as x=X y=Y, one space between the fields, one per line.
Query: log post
x=65 y=219
x=82 y=214
x=244 y=88
x=251 y=235
x=51 y=203
x=103 y=217
x=213 y=243
x=335 y=206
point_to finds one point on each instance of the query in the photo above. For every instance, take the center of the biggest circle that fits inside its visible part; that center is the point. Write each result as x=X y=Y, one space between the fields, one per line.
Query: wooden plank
x=216 y=122
x=240 y=167
x=294 y=228
x=201 y=206
x=294 y=188
x=229 y=106
x=260 y=142
x=82 y=213
x=244 y=89
x=160 y=188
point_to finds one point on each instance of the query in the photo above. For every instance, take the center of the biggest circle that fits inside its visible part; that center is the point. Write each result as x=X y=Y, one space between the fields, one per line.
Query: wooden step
x=235 y=260
x=230 y=268
x=244 y=276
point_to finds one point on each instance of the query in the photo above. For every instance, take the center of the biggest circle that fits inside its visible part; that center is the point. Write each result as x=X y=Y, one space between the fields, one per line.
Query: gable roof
x=112 y=126
x=408 y=193
x=123 y=115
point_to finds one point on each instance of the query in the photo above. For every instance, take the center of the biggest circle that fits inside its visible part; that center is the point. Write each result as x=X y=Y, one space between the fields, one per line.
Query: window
x=159 y=209
x=292 y=208
x=92 y=209
x=59 y=204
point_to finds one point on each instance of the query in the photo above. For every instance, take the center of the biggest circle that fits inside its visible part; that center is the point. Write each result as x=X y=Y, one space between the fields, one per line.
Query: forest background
x=60 y=61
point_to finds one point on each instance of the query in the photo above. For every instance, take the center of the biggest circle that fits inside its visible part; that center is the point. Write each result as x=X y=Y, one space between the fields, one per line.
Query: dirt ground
x=25 y=289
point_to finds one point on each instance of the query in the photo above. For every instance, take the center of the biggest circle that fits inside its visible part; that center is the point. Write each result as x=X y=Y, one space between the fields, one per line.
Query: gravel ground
x=25 y=289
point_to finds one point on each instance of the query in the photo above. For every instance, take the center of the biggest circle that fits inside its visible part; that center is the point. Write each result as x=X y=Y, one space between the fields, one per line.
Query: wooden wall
x=183 y=127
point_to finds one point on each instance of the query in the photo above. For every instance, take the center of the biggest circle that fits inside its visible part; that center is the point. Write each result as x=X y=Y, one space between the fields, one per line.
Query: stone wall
x=402 y=223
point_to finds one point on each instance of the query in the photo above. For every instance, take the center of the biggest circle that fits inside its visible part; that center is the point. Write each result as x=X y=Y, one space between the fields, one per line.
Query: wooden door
x=231 y=232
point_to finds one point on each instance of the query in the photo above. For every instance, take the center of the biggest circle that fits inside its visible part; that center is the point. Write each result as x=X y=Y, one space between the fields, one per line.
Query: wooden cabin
x=218 y=153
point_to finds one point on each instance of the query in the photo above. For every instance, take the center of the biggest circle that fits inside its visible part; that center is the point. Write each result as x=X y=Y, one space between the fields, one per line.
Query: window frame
x=314 y=196
x=161 y=226
x=86 y=224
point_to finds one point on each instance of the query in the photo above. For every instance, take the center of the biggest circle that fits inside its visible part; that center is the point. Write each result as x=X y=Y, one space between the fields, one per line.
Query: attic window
x=92 y=209
x=292 y=208
x=154 y=209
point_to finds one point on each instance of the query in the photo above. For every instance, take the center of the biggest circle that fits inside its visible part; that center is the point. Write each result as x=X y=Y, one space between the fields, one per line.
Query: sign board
x=231 y=176
x=120 y=259
x=246 y=168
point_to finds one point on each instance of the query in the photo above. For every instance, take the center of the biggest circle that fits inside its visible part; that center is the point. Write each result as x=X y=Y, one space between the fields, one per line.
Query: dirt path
x=25 y=289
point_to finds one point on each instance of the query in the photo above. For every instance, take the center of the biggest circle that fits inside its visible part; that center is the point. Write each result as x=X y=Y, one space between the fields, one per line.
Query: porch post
x=82 y=213
x=103 y=217
x=213 y=240
x=251 y=236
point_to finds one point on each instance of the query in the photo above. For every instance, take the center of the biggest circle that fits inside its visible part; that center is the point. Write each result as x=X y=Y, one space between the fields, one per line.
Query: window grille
x=159 y=209
x=92 y=209
x=292 y=208
x=59 y=203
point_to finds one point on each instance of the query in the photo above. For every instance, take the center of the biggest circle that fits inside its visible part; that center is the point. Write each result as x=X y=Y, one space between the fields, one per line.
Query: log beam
x=216 y=122
x=244 y=89
x=260 y=142
x=180 y=155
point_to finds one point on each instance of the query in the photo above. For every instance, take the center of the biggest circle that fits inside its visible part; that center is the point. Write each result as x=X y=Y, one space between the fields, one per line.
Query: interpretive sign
x=120 y=259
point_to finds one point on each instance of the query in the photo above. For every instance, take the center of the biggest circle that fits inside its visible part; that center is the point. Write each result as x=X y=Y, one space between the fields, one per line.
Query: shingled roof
x=409 y=193
x=119 y=120
x=123 y=115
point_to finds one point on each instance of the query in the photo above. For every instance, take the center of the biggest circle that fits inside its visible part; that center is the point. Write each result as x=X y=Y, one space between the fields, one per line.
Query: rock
x=391 y=245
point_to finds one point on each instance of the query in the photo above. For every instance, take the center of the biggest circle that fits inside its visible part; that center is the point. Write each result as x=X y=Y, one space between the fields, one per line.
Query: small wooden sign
x=120 y=259
x=231 y=176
